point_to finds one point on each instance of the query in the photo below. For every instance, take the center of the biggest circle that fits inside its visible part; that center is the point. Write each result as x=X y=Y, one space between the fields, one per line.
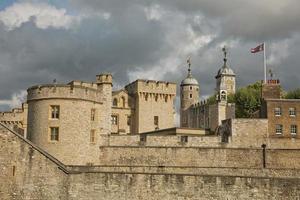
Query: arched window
x=115 y=102
x=123 y=102
x=223 y=96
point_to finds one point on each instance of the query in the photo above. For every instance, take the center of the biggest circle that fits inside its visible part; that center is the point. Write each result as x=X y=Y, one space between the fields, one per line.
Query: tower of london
x=84 y=140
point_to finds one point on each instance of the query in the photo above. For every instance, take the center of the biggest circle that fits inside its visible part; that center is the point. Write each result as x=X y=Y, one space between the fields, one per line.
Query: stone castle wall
x=163 y=141
x=25 y=171
x=28 y=172
x=16 y=119
x=180 y=156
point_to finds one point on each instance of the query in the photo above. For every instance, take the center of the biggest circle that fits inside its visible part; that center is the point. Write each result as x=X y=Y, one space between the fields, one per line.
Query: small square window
x=54 y=133
x=54 y=112
x=114 y=119
x=278 y=129
x=293 y=129
x=191 y=87
x=143 y=138
x=292 y=112
x=191 y=96
x=277 y=111
x=184 y=139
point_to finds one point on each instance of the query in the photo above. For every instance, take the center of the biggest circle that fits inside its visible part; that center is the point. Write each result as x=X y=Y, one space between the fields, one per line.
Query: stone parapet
x=64 y=91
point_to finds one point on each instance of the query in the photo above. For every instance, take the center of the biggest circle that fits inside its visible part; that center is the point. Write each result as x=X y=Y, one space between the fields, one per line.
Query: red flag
x=258 y=48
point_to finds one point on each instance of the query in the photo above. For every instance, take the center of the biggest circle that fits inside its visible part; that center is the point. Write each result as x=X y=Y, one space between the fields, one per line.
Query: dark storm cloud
x=129 y=41
x=30 y=55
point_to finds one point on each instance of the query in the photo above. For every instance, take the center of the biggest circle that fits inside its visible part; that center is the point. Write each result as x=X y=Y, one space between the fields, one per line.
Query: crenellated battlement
x=74 y=90
x=15 y=115
x=151 y=87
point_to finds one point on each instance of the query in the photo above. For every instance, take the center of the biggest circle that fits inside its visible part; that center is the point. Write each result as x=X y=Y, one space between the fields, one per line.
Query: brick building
x=282 y=114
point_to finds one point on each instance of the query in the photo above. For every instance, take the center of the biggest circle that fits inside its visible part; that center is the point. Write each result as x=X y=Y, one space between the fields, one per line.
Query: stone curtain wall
x=28 y=172
x=162 y=141
x=180 y=156
x=143 y=186
x=25 y=173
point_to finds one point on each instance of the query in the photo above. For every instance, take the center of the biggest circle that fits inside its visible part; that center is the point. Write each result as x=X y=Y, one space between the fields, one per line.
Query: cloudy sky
x=77 y=39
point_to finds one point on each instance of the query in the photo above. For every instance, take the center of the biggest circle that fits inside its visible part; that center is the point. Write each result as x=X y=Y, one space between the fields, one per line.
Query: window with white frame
x=277 y=111
x=114 y=119
x=293 y=129
x=278 y=129
x=54 y=112
x=292 y=111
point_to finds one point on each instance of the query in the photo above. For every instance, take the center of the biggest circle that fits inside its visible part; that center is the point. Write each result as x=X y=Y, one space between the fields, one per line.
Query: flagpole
x=265 y=65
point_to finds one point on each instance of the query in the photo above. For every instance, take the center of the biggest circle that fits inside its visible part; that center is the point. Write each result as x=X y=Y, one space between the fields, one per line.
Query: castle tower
x=225 y=80
x=189 y=95
x=67 y=119
x=154 y=104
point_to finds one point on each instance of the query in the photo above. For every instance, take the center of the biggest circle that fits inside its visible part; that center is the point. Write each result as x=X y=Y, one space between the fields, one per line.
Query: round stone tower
x=67 y=120
x=189 y=95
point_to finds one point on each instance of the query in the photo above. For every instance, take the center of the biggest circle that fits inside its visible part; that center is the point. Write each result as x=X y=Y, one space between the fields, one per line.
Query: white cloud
x=16 y=99
x=182 y=42
x=154 y=12
x=42 y=14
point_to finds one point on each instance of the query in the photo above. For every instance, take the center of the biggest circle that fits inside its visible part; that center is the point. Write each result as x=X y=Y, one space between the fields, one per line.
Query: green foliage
x=247 y=100
x=230 y=98
x=211 y=100
x=294 y=94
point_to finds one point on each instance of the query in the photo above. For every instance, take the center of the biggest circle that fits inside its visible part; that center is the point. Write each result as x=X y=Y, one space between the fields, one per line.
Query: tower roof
x=189 y=80
x=225 y=69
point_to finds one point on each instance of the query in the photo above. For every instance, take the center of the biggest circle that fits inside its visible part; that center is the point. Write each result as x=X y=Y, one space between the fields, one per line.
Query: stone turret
x=189 y=95
x=225 y=83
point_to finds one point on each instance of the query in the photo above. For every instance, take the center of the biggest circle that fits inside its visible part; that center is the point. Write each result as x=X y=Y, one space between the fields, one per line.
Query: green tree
x=212 y=100
x=247 y=100
x=294 y=94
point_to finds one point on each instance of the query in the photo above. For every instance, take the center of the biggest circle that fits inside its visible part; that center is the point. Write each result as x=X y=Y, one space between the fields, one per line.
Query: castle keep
x=82 y=140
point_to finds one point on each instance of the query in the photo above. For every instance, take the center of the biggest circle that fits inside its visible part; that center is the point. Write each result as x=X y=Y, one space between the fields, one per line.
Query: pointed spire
x=189 y=66
x=224 y=49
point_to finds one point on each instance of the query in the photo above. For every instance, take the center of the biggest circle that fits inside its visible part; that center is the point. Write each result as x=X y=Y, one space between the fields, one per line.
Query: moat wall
x=28 y=172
